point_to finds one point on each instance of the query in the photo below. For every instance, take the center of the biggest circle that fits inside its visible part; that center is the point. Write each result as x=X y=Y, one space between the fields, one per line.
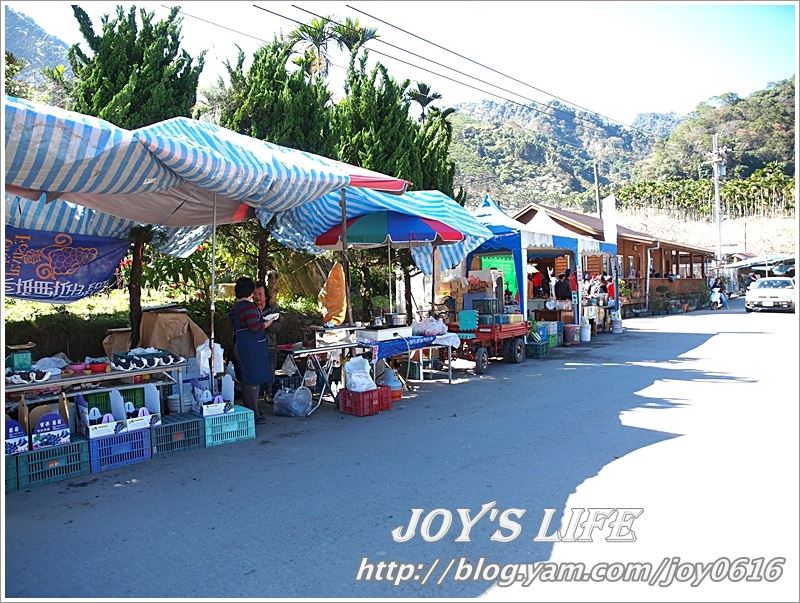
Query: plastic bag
x=310 y=378
x=289 y=366
x=204 y=356
x=292 y=402
x=429 y=326
x=357 y=375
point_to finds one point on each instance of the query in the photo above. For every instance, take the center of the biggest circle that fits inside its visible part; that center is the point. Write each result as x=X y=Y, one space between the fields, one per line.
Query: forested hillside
x=520 y=154
x=33 y=45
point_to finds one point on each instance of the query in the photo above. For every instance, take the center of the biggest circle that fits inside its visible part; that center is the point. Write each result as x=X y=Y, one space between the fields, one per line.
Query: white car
x=774 y=293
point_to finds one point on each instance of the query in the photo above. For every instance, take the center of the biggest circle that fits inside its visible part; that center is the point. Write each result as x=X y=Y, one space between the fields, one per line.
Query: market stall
x=72 y=207
x=541 y=246
x=425 y=220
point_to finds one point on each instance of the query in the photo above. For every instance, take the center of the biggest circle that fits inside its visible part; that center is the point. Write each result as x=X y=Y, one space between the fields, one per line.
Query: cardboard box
x=47 y=424
x=16 y=437
x=211 y=409
x=91 y=427
x=152 y=402
x=206 y=405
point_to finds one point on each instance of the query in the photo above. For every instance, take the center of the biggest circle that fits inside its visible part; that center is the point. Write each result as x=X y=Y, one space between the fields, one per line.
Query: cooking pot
x=376 y=321
x=395 y=320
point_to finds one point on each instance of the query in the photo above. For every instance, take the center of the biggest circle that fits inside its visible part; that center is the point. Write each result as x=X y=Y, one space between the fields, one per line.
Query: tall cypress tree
x=271 y=103
x=136 y=75
x=289 y=108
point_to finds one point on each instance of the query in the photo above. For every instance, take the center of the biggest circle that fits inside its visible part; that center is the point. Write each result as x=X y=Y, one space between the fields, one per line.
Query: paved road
x=692 y=418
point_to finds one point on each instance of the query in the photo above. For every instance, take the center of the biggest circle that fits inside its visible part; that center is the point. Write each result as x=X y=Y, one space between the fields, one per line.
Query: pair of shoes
x=260 y=420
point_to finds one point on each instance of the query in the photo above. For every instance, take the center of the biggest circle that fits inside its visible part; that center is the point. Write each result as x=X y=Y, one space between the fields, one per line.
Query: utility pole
x=597 y=192
x=717 y=156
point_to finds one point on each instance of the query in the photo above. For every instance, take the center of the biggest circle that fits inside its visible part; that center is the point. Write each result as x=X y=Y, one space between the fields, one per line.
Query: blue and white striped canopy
x=299 y=227
x=171 y=173
x=235 y=166
x=63 y=216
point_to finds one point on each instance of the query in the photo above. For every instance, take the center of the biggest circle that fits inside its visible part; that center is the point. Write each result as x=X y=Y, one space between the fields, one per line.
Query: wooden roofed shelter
x=636 y=251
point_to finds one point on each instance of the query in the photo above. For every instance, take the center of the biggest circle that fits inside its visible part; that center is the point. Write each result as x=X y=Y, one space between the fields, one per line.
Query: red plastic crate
x=362 y=404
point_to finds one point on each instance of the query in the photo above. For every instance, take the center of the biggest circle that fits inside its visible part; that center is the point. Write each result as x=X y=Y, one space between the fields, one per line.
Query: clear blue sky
x=618 y=59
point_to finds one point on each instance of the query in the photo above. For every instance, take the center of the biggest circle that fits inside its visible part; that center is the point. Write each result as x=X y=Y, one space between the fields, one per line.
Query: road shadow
x=293 y=512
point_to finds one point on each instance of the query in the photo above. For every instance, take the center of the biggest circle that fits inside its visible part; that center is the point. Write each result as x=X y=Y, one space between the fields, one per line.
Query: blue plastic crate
x=11 y=473
x=468 y=320
x=231 y=427
x=501 y=319
x=53 y=464
x=542 y=330
x=485 y=319
x=177 y=432
x=114 y=451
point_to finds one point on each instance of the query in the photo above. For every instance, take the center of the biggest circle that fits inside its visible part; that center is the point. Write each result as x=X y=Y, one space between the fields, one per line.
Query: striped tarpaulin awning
x=171 y=173
x=63 y=216
x=299 y=227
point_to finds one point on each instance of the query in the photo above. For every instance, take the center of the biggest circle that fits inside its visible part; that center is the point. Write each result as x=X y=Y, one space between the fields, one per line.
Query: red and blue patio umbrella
x=391 y=228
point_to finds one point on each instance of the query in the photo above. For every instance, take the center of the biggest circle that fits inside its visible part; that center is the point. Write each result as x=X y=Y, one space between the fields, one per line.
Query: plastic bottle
x=390 y=378
x=227 y=388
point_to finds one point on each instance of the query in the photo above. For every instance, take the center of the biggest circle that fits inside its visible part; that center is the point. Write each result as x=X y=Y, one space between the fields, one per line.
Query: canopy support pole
x=391 y=277
x=433 y=280
x=343 y=205
x=213 y=289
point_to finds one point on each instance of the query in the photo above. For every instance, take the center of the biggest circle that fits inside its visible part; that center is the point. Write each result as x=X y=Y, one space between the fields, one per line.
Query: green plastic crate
x=537 y=349
x=102 y=400
x=231 y=427
x=552 y=340
x=177 y=432
x=53 y=464
x=11 y=473
x=410 y=369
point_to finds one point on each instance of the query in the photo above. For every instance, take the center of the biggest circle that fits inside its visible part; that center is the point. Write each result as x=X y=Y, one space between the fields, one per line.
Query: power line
x=396 y=59
x=381 y=41
x=499 y=72
x=448 y=78
x=236 y=31
x=241 y=33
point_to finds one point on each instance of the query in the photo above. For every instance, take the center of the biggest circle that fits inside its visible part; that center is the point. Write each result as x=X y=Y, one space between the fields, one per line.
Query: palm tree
x=423 y=96
x=352 y=35
x=315 y=36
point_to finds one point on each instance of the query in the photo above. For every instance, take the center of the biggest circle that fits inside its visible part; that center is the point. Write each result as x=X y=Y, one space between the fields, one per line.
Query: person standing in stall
x=250 y=345
x=562 y=288
x=265 y=304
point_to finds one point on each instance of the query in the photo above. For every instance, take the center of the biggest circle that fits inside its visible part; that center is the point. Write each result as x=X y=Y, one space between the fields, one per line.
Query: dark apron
x=251 y=350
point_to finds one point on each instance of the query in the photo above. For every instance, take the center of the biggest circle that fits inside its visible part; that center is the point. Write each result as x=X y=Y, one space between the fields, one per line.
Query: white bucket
x=616 y=327
x=174 y=403
x=586 y=333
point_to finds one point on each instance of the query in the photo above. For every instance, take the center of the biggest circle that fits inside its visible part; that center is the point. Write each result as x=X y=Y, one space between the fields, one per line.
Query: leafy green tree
x=14 y=86
x=316 y=36
x=136 y=75
x=374 y=130
x=352 y=35
x=212 y=101
x=423 y=96
x=270 y=103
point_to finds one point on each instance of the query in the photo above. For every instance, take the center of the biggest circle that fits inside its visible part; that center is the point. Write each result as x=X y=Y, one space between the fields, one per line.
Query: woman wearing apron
x=250 y=345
